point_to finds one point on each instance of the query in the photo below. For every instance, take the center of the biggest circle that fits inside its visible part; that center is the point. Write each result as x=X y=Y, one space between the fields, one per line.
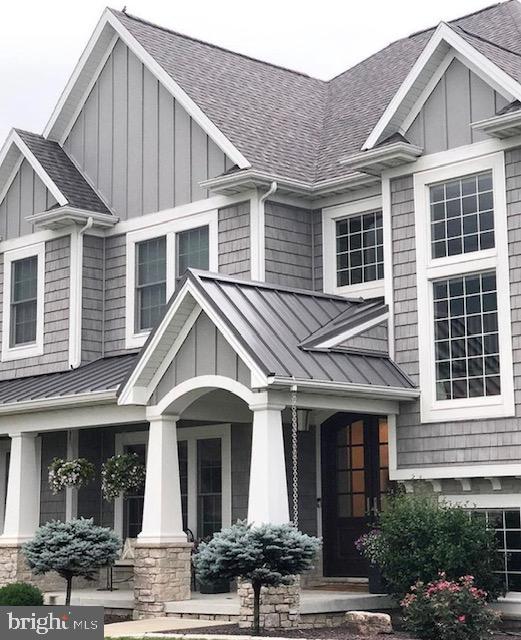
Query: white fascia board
x=352 y=331
x=71 y=215
x=58 y=401
x=53 y=128
x=476 y=61
x=455 y=471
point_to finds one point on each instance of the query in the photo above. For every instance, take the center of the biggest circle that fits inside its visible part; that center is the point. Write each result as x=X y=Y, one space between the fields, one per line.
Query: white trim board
x=72 y=93
x=457 y=471
x=477 y=62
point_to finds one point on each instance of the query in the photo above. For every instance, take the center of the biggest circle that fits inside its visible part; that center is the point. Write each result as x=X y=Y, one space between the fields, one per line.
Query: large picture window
x=463 y=291
x=466 y=337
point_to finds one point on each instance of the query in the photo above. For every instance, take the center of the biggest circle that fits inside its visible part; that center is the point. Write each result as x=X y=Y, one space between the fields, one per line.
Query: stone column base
x=162 y=573
x=279 y=606
x=13 y=568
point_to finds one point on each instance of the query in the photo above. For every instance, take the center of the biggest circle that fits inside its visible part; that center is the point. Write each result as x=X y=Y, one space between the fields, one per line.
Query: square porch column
x=268 y=492
x=162 y=564
x=22 y=509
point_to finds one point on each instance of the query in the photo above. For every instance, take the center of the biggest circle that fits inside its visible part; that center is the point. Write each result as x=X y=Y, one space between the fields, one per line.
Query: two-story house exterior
x=204 y=254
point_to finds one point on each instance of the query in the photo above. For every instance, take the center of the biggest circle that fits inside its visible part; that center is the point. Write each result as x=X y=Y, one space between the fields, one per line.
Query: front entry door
x=354 y=476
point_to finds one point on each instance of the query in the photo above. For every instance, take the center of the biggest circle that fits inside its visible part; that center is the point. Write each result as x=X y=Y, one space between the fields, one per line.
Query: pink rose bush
x=448 y=610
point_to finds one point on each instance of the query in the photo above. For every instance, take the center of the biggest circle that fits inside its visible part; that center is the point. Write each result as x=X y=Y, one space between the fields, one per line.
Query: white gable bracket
x=476 y=61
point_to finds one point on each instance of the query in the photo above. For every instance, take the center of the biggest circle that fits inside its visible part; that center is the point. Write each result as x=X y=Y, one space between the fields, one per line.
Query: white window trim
x=190 y=435
x=428 y=269
x=34 y=348
x=330 y=215
x=169 y=229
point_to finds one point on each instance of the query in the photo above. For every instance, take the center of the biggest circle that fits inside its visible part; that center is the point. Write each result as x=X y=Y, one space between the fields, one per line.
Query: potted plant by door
x=221 y=585
x=367 y=546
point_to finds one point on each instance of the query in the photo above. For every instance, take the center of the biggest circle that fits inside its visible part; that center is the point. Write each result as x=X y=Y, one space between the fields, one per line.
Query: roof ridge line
x=217 y=46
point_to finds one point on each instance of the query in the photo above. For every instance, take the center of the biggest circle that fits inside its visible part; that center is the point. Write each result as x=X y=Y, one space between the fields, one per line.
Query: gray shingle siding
x=52 y=507
x=493 y=441
x=288 y=244
x=92 y=298
x=374 y=339
x=234 y=240
x=115 y=270
x=56 y=315
x=318 y=277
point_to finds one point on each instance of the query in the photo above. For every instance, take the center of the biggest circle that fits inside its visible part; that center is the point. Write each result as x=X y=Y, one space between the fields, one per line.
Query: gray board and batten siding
x=490 y=441
x=26 y=195
x=137 y=145
x=459 y=98
x=56 y=315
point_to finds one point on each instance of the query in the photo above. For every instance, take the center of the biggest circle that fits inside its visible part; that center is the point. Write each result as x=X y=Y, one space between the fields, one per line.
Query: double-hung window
x=157 y=256
x=23 y=302
x=465 y=345
x=354 y=248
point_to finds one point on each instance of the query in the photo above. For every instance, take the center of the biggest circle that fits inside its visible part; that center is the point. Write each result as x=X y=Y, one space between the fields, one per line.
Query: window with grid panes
x=150 y=282
x=466 y=340
x=24 y=293
x=462 y=215
x=193 y=250
x=507 y=526
x=359 y=249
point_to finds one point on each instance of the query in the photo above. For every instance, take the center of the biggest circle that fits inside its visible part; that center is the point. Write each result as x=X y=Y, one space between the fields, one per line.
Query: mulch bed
x=329 y=633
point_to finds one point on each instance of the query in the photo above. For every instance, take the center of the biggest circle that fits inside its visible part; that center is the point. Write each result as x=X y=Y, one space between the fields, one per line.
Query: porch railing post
x=268 y=493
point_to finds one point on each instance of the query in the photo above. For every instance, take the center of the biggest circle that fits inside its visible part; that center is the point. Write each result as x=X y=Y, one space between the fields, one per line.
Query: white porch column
x=162 y=512
x=268 y=496
x=22 y=509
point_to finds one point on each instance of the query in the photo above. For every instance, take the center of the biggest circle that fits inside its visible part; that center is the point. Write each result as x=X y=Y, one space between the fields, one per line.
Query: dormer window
x=23 y=302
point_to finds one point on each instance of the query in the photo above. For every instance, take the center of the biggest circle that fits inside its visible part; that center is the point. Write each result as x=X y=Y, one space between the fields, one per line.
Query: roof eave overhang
x=342 y=389
x=441 y=42
x=66 y=216
x=60 y=402
x=375 y=161
x=502 y=126
x=243 y=181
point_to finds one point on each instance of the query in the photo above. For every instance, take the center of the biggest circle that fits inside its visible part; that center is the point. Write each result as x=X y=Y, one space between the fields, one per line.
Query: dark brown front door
x=354 y=477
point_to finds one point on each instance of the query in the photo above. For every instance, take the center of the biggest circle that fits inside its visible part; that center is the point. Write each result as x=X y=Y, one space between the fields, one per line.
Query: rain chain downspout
x=75 y=297
x=294 y=453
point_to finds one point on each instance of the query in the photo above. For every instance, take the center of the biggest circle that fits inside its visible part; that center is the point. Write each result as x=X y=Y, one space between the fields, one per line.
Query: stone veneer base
x=13 y=568
x=279 y=606
x=162 y=573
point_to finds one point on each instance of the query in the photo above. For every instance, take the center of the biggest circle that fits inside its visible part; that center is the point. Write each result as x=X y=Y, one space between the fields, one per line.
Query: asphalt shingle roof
x=105 y=374
x=62 y=171
x=292 y=125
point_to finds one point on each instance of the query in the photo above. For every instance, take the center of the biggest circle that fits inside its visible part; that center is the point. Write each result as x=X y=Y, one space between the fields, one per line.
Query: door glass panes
x=134 y=499
x=192 y=250
x=150 y=282
x=209 y=486
x=24 y=294
x=351 y=489
x=462 y=215
x=182 y=450
x=506 y=523
x=359 y=249
x=466 y=337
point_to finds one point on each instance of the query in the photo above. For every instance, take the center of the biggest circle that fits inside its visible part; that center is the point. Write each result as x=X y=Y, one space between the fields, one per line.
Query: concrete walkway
x=153 y=625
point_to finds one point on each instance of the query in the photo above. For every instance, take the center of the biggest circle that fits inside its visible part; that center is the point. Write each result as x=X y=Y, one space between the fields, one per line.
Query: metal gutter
x=58 y=402
x=343 y=388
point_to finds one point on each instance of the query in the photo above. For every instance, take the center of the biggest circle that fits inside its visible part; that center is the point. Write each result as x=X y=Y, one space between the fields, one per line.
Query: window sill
x=136 y=340
x=468 y=409
x=375 y=289
x=23 y=351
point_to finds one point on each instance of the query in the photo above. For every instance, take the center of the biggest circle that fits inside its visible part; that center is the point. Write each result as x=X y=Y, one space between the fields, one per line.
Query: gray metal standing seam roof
x=105 y=374
x=289 y=124
x=60 y=168
x=272 y=322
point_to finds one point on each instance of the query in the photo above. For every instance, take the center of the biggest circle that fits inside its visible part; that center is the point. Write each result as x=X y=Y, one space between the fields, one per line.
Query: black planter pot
x=217 y=586
x=376 y=581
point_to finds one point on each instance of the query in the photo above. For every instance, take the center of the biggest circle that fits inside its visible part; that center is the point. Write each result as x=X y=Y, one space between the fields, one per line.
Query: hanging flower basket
x=121 y=474
x=65 y=474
